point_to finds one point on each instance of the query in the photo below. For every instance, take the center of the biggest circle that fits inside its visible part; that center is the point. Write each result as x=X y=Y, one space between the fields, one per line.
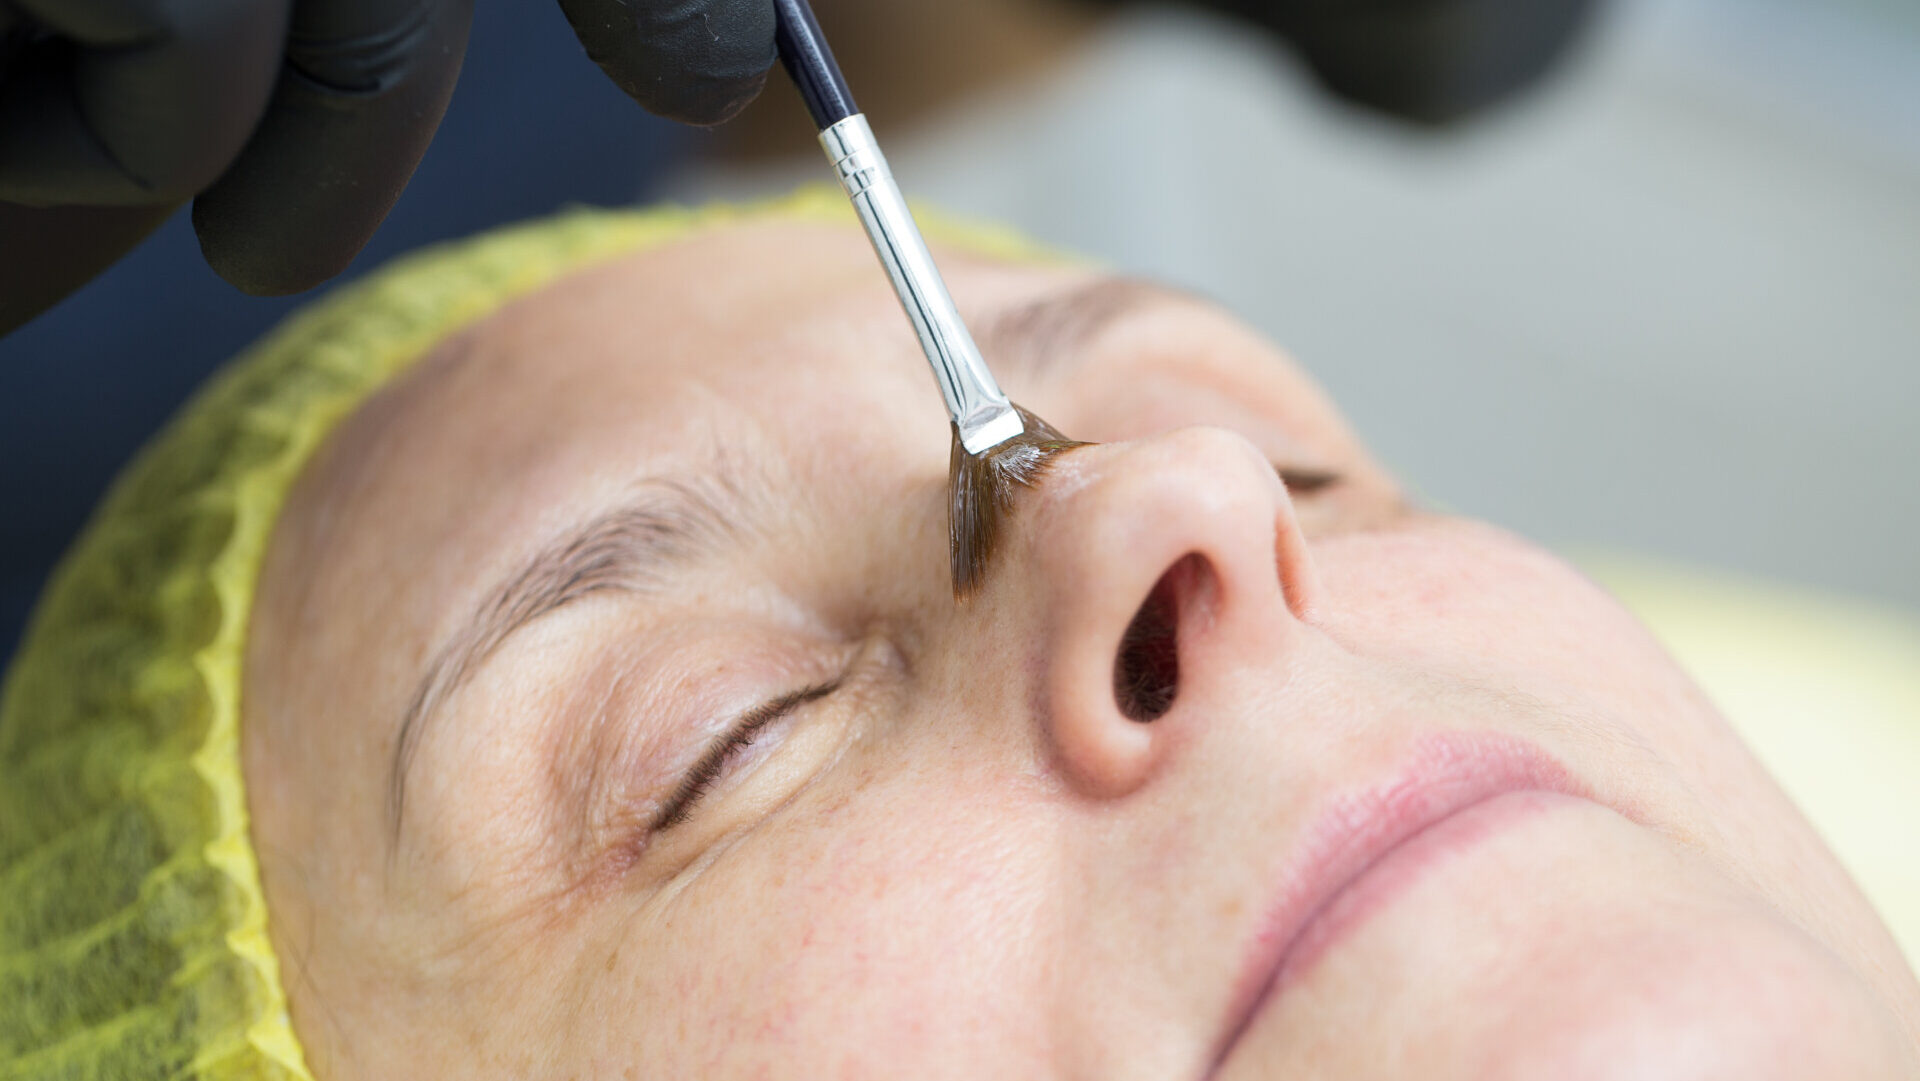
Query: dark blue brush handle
x=803 y=49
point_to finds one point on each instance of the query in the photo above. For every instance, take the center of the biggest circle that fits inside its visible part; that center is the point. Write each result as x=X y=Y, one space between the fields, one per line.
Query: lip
x=1352 y=831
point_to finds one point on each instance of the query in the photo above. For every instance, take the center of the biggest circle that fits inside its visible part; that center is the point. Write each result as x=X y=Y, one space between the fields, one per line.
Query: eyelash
x=706 y=772
x=1302 y=482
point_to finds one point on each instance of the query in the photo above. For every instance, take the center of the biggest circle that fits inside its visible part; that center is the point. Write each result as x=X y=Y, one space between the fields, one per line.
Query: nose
x=1162 y=567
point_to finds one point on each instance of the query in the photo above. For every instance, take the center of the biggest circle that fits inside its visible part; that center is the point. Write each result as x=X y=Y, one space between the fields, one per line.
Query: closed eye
x=713 y=765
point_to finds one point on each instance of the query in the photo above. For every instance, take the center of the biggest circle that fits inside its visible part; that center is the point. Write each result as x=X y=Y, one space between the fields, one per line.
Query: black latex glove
x=292 y=124
x=1425 y=61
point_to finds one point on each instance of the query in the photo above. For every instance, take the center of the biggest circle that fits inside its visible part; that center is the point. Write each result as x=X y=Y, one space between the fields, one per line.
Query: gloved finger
x=696 y=61
x=70 y=244
x=1428 y=61
x=14 y=35
x=365 y=85
x=119 y=102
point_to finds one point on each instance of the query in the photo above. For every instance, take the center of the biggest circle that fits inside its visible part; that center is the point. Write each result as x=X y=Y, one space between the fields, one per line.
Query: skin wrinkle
x=582 y=776
x=492 y=944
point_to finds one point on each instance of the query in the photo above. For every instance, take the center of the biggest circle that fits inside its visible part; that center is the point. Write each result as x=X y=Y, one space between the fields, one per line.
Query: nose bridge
x=1147 y=562
x=1129 y=511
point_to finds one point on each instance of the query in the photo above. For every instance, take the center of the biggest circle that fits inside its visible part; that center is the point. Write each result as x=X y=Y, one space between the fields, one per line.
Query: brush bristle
x=981 y=494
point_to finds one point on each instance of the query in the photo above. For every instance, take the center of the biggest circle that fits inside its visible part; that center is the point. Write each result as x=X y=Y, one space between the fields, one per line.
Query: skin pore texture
x=608 y=713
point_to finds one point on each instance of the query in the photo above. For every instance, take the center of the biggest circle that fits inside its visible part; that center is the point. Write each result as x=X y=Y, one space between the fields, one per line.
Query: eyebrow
x=671 y=523
x=1036 y=339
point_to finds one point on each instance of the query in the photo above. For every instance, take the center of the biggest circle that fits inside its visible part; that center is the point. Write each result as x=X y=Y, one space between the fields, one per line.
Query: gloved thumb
x=696 y=61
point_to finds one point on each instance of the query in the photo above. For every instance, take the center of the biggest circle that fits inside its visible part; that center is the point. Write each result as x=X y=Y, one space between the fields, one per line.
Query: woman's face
x=609 y=714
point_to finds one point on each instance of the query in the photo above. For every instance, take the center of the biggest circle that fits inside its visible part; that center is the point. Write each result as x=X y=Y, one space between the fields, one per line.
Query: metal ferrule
x=979 y=410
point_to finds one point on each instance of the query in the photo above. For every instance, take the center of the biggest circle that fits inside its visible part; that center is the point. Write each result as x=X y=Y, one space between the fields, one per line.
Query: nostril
x=1146 y=671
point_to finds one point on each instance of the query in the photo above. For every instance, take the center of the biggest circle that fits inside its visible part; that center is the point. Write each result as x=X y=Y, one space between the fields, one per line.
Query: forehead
x=784 y=327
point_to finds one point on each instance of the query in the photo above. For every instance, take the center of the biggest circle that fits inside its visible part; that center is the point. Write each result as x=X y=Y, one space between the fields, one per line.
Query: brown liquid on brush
x=980 y=492
x=980 y=489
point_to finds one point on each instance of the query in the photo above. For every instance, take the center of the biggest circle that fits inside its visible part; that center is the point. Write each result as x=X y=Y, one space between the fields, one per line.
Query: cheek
x=1464 y=599
x=1473 y=606
x=850 y=935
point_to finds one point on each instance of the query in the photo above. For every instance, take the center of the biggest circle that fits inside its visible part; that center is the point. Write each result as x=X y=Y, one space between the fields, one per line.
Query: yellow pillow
x=1826 y=691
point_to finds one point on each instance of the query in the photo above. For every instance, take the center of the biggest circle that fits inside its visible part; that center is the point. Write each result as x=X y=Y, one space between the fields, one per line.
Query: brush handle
x=982 y=416
x=804 y=53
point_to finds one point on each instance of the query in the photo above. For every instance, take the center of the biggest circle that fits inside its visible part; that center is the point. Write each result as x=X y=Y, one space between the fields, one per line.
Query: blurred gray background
x=1669 y=303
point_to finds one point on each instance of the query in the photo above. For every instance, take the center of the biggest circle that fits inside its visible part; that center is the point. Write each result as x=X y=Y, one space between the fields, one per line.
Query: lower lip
x=1396 y=873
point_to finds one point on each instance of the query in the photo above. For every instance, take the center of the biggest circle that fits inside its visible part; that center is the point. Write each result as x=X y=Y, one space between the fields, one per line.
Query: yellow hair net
x=132 y=925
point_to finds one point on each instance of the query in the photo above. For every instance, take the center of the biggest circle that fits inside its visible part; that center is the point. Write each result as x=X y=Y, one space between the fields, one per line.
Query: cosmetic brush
x=996 y=444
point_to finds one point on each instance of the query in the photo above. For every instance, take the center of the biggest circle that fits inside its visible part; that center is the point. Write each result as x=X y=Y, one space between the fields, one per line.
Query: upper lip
x=1355 y=828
